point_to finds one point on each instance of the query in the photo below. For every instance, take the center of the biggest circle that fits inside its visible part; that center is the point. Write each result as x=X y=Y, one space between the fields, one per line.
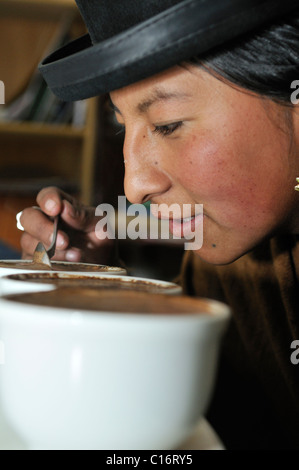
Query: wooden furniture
x=76 y=155
x=48 y=152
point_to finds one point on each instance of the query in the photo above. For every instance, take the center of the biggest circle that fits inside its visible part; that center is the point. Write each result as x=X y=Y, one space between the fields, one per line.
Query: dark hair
x=266 y=62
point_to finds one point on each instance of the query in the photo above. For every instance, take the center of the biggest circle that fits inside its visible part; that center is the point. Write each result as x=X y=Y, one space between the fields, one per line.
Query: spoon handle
x=52 y=247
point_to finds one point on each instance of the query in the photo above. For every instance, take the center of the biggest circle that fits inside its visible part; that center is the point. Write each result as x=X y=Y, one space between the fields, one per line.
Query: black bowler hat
x=130 y=40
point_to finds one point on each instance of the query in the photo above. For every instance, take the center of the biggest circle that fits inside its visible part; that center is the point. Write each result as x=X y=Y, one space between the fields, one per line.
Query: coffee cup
x=15 y=266
x=108 y=369
x=42 y=281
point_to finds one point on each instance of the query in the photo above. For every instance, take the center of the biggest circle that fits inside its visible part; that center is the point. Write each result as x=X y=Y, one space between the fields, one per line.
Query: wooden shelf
x=28 y=28
x=37 y=8
x=40 y=3
x=35 y=154
x=69 y=149
x=40 y=130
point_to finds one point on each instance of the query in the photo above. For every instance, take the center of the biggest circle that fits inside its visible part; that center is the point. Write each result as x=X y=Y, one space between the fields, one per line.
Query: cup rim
x=166 y=286
x=220 y=312
x=110 y=269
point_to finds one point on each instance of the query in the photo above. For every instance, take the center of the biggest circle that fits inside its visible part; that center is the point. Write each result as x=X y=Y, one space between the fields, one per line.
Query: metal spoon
x=43 y=256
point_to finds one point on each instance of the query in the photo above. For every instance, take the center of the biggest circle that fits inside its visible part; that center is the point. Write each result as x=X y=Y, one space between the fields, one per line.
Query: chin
x=218 y=256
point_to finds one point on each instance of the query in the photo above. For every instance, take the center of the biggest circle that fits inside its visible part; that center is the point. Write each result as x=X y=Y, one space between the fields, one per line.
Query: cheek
x=231 y=178
x=207 y=167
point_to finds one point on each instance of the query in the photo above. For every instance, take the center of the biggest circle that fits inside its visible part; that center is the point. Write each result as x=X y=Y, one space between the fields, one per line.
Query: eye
x=168 y=129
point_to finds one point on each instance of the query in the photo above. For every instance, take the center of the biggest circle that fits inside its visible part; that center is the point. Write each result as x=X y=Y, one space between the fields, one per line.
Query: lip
x=178 y=226
x=185 y=228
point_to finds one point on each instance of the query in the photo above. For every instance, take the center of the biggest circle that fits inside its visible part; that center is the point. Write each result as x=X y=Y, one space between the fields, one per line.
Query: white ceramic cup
x=79 y=379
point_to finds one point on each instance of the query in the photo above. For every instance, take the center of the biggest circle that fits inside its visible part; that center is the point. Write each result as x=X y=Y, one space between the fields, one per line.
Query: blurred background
x=44 y=141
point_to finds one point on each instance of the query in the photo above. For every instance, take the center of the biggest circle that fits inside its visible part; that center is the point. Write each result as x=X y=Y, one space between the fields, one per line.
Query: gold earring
x=297 y=185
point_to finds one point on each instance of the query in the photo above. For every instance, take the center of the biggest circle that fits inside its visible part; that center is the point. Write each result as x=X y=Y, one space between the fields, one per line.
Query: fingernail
x=60 y=240
x=70 y=209
x=72 y=255
x=50 y=205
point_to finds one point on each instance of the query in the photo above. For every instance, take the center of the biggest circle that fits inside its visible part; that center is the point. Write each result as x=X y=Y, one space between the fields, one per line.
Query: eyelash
x=168 y=129
x=162 y=130
x=120 y=131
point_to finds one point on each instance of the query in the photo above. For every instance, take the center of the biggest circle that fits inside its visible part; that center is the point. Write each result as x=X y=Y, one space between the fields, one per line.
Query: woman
x=205 y=92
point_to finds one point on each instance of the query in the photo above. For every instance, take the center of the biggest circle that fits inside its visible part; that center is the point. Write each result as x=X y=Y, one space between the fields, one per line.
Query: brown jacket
x=256 y=401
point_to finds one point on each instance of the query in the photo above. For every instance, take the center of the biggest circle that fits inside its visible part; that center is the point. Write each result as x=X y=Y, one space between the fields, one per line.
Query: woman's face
x=192 y=139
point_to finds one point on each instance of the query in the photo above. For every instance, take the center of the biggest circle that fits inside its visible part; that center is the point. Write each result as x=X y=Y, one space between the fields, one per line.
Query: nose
x=144 y=175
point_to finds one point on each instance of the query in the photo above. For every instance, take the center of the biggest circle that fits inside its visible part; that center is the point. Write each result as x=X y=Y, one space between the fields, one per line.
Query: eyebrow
x=157 y=95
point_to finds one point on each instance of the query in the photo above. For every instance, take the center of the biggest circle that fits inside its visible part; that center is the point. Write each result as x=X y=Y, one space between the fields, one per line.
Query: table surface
x=204 y=438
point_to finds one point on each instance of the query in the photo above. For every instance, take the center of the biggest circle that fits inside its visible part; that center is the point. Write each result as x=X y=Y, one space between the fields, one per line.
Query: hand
x=76 y=239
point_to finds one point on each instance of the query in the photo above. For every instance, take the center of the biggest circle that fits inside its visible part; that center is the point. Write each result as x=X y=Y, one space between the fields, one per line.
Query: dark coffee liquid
x=67 y=280
x=107 y=300
x=60 y=266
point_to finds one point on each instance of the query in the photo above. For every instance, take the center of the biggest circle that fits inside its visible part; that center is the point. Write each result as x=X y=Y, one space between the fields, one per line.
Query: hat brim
x=82 y=70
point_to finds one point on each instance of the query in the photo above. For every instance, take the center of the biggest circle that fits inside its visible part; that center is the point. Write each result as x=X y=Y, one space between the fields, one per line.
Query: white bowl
x=42 y=281
x=80 y=379
x=8 y=267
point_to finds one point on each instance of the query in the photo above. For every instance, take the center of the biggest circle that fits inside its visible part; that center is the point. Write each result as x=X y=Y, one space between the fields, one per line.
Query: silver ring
x=18 y=216
x=19 y=225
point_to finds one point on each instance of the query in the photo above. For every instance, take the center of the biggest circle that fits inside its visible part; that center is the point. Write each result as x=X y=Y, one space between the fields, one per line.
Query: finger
x=50 y=200
x=39 y=227
x=28 y=245
x=54 y=201
x=78 y=217
x=73 y=255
